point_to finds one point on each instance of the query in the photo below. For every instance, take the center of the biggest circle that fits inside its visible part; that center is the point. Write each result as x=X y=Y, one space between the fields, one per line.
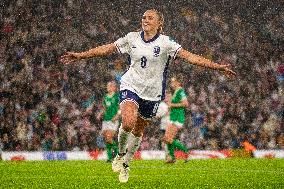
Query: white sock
x=166 y=149
x=133 y=145
x=122 y=140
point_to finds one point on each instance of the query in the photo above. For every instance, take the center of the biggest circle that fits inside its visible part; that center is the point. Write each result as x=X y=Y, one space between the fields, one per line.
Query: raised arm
x=103 y=50
x=203 y=62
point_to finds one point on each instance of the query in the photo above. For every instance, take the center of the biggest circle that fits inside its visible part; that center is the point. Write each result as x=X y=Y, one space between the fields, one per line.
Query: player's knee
x=128 y=124
x=137 y=133
x=168 y=140
x=127 y=127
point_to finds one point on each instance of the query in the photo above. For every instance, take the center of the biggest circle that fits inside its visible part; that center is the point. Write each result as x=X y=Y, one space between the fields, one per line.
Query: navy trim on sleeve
x=174 y=57
x=118 y=48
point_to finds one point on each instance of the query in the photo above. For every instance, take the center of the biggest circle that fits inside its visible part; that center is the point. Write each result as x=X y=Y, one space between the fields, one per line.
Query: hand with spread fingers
x=224 y=69
x=69 y=57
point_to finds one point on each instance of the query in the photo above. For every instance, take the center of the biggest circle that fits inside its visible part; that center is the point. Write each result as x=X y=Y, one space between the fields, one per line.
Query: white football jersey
x=149 y=62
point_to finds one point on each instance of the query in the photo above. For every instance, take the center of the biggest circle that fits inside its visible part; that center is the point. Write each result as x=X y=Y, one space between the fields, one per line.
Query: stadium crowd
x=45 y=105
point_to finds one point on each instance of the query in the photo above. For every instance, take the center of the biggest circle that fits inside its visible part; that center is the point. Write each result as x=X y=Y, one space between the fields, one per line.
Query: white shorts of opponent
x=110 y=125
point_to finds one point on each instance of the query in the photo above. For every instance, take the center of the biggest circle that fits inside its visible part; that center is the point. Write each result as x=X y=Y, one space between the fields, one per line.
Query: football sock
x=177 y=144
x=133 y=145
x=109 y=151
x=165 y=147
x=122 y=140
x=171 y=150
x=115 y=148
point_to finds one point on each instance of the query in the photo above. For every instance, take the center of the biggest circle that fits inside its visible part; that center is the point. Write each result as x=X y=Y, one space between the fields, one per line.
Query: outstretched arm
x=203 y=62
x=103 y=50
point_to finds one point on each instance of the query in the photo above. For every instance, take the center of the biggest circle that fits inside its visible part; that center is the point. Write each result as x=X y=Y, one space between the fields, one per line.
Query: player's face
x=174 y=83
x=150 y=21
x=111 y=87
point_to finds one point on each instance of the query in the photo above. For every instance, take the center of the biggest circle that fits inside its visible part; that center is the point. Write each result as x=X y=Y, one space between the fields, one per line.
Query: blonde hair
x=161 y=19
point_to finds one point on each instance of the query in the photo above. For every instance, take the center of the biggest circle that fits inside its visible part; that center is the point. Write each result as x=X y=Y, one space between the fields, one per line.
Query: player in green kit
x=177 y=107
x=110 y=116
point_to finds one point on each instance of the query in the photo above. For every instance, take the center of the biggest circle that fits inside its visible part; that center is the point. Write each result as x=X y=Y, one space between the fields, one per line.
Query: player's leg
x=177 y=144
x=147 y=110
x=163 y=144
x=170 y=134
x=135 y=138
x=110 y=144
x=108 y=140
x=129 y=111
x=115 y=148
x=129 y=117
x=134 y=142
x=114 y=133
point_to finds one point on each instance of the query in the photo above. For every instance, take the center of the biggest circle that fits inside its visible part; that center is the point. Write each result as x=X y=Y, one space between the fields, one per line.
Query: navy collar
x=151 y=40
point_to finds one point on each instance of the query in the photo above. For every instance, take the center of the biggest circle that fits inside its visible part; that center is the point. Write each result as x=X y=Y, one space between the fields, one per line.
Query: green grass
x=229 y=173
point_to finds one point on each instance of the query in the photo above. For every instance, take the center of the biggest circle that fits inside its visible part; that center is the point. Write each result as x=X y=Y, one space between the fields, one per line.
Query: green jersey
x=111 y=105
x=177 y=115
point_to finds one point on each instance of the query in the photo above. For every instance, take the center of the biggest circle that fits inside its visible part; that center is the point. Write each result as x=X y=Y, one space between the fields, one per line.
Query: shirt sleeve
x=173 y=47
x=122 y=44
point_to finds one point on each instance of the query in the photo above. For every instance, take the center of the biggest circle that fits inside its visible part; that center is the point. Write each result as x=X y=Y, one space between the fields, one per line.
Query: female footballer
x=143 y=84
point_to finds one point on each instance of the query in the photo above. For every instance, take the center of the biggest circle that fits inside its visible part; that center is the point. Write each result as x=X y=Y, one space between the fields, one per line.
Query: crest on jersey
x=124 y=94
x=156 y=51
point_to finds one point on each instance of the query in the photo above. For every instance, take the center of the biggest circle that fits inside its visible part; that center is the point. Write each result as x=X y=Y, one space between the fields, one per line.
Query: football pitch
x=214 y=173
